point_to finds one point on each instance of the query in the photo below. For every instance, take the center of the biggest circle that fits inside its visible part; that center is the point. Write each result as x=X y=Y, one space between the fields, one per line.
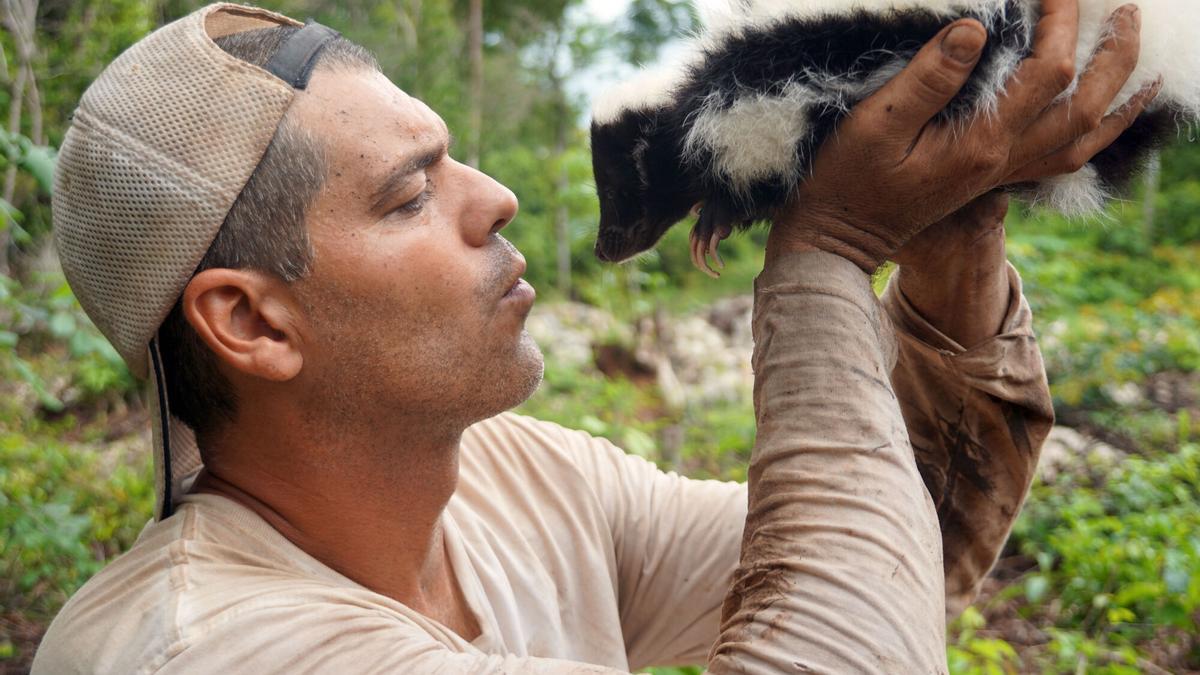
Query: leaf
x=39 y=161
x=1138 y=591
x=593 y=425
x=1036 y=587
x=639 y=443
x=1118 y=615
x=45 y=398
x=1177 y=580
x=62 y=325
x=10 y=219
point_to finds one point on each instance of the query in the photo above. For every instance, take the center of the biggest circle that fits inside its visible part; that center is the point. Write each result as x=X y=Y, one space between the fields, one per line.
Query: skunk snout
x=612 y=245
x=603 y=253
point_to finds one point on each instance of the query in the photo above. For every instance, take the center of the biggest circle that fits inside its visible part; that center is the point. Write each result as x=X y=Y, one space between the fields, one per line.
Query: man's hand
x=889 y=171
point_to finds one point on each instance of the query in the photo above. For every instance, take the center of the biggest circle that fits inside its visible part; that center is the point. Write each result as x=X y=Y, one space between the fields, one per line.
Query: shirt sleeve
x=676 y=544
x=976 y=418
x=841 y=561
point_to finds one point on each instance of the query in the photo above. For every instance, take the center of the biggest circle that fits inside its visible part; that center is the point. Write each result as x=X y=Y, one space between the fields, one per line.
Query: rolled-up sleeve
x=976 y=419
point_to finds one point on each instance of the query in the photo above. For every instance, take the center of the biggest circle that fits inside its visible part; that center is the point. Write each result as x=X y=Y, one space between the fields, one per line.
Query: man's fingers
x=1047 y=72
x=1071 y=158
x=926 y=85
x=1107 y=73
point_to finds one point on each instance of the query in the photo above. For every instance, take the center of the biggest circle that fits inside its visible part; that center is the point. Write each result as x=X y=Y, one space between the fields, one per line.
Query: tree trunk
x=475 y=49
x=19 y=18
x=562 y=231
x=562 y=127
x=1153 y=175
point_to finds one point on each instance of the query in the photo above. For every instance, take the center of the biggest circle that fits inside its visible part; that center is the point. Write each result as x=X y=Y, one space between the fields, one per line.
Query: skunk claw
x=699 y=259
x=714 y=241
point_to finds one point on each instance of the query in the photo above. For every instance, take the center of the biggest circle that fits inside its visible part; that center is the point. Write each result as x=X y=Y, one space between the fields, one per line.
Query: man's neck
x=368 y=509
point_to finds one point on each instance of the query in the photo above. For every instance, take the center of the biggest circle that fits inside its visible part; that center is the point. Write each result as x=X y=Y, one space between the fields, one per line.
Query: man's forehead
x=361 y=110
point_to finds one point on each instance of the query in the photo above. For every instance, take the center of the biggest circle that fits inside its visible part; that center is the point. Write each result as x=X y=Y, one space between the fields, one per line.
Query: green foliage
x=1178 y=203
x=42 y=319
x=1117 y=579
x=64 y=512
x=602 y=407
x=1111 y=307
x=647 y=23
x=1123 y=556
x=972 y=654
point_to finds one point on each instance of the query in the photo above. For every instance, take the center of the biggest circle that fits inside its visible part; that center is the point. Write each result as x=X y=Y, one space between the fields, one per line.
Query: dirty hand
x=890 y=171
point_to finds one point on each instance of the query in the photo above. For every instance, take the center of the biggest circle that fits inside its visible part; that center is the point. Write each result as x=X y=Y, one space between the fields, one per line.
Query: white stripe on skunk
x=735 y=120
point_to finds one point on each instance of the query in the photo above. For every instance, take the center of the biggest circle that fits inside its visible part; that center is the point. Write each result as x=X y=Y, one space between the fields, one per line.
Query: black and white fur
x=734 y=123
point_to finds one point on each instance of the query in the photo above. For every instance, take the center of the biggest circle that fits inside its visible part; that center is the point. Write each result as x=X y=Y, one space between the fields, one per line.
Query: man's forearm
x=956 y=276
x=841 y=566
x=976 y=419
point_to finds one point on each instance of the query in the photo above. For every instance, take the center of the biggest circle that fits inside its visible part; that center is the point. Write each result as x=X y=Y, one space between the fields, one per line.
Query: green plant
x=1118 y=561
x=970 y=653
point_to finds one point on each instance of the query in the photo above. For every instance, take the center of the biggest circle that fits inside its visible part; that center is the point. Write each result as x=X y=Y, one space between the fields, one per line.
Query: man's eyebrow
x=400 y=174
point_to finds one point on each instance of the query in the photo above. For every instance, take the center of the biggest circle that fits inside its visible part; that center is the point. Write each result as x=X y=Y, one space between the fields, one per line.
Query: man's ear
x=248 y=319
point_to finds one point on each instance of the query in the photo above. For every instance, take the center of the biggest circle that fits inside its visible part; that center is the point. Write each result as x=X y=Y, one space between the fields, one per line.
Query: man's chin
x=530 y=366
x=511 y=385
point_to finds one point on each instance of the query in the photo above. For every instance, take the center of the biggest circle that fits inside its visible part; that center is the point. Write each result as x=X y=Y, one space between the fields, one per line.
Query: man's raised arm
x=841 y=565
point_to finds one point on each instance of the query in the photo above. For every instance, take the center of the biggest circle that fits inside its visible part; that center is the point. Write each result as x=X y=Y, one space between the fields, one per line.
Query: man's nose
x=490 y=206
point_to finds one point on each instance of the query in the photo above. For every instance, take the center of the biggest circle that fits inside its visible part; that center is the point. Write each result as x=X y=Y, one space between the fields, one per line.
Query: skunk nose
x=603 y=253
x=611 y=244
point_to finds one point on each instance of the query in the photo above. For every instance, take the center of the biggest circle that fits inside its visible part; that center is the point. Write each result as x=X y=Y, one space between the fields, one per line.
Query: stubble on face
x=407 y=321
x=413 y=361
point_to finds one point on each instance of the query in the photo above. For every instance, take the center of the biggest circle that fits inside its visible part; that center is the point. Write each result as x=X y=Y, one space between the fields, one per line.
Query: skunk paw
x=706 y=237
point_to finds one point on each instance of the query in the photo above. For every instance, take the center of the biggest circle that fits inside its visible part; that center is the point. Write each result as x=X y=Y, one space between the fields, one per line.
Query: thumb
x=931 y=80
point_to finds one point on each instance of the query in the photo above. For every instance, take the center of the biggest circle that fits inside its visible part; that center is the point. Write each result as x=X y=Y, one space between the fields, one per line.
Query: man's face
x=414 y=304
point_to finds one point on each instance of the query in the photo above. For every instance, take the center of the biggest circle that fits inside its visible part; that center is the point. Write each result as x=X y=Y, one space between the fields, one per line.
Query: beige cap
x=160 y=147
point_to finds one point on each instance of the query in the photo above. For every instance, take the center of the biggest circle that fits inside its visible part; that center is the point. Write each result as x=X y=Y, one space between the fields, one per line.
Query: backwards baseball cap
x=160 y=147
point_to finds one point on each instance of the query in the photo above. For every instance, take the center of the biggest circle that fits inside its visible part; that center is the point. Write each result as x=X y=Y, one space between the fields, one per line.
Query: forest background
x=1102 y=573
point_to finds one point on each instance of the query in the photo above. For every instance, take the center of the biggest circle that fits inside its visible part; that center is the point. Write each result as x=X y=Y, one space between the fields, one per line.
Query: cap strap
x=294 y=60
x=164 y=412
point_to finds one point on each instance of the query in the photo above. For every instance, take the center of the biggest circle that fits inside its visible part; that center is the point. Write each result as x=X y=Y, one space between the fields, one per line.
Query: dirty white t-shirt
x=563 y=546
x=575 y=557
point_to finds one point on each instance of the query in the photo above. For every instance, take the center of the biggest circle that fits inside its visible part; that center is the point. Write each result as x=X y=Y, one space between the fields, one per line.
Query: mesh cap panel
x=160 y=146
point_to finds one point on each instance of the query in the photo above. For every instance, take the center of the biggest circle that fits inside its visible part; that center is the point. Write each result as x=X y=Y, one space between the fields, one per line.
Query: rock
x=1062 y=451
x=1173 y=391
x=567 y=331
x=1067 y=451
x=1126 y=394
x=697 y=359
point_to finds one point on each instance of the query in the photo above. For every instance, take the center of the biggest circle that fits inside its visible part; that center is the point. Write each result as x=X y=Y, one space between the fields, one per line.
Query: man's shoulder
x=101 y=625
x=183 y=576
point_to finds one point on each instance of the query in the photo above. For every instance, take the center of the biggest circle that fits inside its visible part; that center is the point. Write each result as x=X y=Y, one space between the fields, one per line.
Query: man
x=345 y=345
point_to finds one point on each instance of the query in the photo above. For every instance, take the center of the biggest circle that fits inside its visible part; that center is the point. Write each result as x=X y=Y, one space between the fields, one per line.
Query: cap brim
x=176 y=455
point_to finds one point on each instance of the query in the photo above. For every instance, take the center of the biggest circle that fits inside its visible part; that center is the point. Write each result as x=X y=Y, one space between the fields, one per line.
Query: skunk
x=729 y=130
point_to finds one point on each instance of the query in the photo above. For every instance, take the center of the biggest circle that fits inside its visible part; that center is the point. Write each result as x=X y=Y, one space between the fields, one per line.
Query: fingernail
x=963 y=43
x=1132 y=11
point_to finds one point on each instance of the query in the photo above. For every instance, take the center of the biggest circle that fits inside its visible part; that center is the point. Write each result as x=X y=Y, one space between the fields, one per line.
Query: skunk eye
x=697 y=208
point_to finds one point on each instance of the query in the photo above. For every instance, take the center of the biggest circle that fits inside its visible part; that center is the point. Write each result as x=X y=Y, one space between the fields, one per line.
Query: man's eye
x=416 y=204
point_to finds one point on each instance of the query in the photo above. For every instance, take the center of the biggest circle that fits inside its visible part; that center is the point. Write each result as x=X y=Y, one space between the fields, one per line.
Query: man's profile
x=275 y=236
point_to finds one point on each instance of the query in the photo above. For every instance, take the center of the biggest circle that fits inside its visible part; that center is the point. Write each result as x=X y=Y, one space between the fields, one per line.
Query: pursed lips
x=514 y=279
